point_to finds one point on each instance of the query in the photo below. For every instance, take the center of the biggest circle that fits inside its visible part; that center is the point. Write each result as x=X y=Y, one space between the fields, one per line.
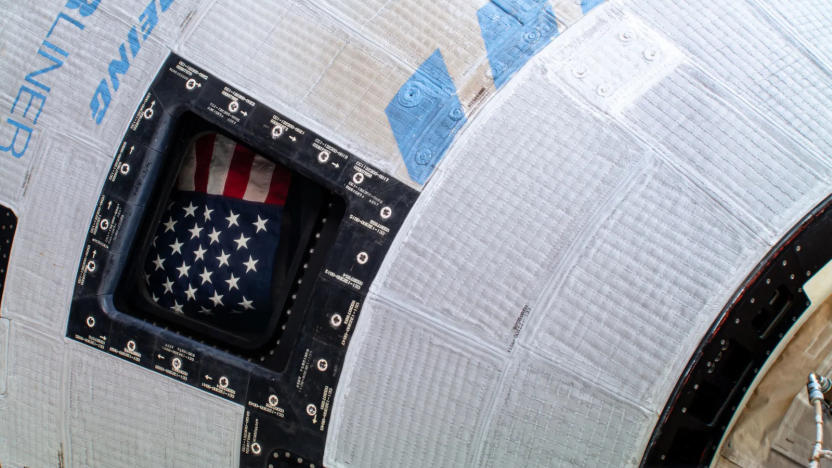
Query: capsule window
x=228 y=238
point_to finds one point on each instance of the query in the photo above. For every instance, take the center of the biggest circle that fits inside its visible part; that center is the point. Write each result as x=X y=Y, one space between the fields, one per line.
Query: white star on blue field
x=212 y=257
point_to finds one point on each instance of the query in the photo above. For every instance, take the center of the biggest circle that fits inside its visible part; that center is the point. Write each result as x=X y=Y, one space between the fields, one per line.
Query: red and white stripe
x=218 y=165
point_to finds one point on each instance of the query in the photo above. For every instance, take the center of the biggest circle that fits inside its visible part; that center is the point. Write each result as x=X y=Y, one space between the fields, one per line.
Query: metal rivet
x=423 y=157
x=650 y=54
x=410 y=95
x=531 y=37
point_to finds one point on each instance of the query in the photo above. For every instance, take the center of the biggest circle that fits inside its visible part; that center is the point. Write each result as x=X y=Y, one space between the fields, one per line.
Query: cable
x=816 y=387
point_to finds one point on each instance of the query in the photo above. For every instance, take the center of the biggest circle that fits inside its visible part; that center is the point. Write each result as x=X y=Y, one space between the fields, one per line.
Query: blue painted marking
x=524 y=10
x=148 y=19
x=16 y=147
x=513 y=31
x=587 y=5
x=425 y=115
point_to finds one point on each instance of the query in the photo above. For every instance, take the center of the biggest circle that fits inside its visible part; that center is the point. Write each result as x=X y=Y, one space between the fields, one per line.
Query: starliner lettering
x=137 y=35
x=23 y=116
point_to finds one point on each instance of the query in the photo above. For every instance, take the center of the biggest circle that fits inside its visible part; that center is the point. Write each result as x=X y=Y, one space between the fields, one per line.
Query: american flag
x=214 y=250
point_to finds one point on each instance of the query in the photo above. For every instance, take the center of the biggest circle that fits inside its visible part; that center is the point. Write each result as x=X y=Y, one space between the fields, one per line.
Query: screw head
x=277 y=131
